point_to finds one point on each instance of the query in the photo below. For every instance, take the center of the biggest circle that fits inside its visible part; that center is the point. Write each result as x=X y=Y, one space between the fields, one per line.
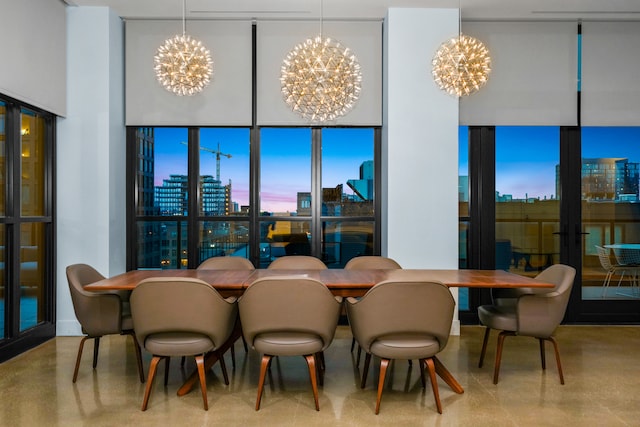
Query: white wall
x=420 y=158
x=419 y=144
x=91 y=158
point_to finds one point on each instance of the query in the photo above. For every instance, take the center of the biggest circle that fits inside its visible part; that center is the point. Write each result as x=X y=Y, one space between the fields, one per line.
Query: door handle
x=579 y=233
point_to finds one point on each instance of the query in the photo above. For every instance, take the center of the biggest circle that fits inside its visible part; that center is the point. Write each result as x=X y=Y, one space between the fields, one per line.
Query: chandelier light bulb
x=183 y=65
x=461 y=66
x=320 y=79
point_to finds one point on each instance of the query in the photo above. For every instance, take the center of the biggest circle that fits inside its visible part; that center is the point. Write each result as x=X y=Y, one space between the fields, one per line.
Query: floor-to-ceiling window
x=610 y=212
x=26 y=227
x=565 y=195
x=192 y=199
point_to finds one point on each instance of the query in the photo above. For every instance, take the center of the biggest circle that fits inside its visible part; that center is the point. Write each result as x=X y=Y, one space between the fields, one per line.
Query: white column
x=90 y=199
x=419 y=144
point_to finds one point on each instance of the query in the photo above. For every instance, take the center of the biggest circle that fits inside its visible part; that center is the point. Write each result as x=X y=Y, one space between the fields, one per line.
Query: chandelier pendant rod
x=321 y=19
x=184 y=17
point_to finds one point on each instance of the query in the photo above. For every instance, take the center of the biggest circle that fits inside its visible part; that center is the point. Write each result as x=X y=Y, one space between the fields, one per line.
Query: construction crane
x=217 y=152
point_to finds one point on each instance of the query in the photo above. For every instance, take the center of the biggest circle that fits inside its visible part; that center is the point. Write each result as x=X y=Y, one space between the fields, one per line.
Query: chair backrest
x=226 y=263
x=181 y=304
x=540 y=314
x=98 y=313
x=289 y=304
x=297 y=262
x=371 y=262
x=394 y=307
x=603 y=256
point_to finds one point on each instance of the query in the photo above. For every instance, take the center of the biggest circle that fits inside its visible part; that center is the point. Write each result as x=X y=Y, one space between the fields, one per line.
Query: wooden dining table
x=341 y=282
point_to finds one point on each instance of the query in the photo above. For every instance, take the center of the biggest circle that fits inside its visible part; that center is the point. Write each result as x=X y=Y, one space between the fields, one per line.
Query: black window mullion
x=13 y=212
x=193 y=193
x=316 y=192
x=482 y=205
x=377 y=189
x=254 y=161
x=131 y=194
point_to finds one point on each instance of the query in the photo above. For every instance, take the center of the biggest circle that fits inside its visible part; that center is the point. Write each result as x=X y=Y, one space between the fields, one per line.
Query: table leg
x=210 y=359
x=447 y=377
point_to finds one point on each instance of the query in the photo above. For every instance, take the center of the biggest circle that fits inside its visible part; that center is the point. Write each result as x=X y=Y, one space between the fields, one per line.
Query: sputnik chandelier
x=320 y=79
x=182 y=64
x=461 y=66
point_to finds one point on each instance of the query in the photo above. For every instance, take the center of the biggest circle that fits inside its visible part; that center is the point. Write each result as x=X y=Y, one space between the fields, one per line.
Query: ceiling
x=370 y=9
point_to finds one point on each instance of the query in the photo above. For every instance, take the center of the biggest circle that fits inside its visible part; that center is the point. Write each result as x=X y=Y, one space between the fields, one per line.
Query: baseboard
x=455 y=327
x=68 y=328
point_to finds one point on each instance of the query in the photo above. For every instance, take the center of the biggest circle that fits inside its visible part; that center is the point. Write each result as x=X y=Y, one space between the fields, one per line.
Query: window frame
x=254 y=218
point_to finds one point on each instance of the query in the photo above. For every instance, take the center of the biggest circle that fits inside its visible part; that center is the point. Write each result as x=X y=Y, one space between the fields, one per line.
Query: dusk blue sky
x=285 y=162
x=526 y=157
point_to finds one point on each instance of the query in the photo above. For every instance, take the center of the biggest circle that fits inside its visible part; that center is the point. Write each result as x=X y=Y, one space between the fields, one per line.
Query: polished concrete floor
x=601 y=366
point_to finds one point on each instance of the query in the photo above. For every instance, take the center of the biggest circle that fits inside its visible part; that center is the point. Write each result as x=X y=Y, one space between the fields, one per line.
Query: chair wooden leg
x=365 y=370
x=96 y=347
x=153 y=367
x=446 y=376
x=75 y=371
x=320 y=367
x=233 y=356
x=266 y=359
x=484 y=346
x=223 y=368
x=203 y=380
x=136 y=348
x=555 y=347
x=543 y=359
x=353 y=344
x=496 y=369
x=434 y=382
x=244 y=342
x=384 y=364
x=311 y=363
x=421 y=364
x=166 y=370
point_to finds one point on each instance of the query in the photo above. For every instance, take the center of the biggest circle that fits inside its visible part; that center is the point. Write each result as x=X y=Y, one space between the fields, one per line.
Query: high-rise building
x=363 y=187
x=609 y=179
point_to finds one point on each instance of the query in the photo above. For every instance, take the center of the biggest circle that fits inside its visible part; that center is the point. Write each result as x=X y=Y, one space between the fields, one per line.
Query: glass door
x=558 y=195
x=610 y=214
x=527 y=201
x=27 y=292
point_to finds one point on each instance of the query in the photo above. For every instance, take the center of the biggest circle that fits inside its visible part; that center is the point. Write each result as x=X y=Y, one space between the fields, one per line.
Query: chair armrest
x=99 y=314
x=539 y=315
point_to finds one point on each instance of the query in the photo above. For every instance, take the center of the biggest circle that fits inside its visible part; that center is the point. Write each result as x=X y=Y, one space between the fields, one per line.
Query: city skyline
x=285 y=160
x=526 y=157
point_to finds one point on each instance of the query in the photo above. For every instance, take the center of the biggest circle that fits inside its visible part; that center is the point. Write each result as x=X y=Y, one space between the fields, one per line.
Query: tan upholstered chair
x=226 y=263
x=181 y=317
x=289 y=316
x=402 y=320
x=530 y=314
x=99 y=313
x=371 y=262
x=368 y=263
x=297 y=262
